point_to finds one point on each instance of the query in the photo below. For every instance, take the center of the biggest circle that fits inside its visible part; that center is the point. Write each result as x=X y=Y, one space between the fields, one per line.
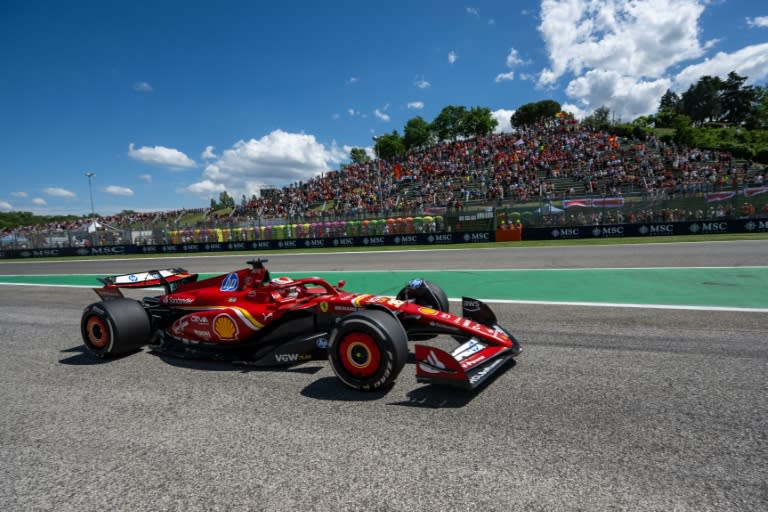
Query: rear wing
x=169 y=279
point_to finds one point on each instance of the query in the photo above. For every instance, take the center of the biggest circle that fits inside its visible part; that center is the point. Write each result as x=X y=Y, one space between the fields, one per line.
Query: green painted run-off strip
x=745 y=287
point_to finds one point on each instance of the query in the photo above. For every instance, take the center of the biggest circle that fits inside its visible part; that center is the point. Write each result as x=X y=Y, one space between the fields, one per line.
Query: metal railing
x=664 y=205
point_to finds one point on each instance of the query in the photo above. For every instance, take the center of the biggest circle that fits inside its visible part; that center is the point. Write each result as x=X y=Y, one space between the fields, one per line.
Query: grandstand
x=515 y=173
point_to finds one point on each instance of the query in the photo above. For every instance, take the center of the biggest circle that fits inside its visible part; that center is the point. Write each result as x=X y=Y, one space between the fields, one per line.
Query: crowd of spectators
x=108 y=229
x=551 y=161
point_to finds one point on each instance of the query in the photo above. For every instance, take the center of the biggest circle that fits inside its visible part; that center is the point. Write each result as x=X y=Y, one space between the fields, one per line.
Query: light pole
x=378 y=172
x=90 y=190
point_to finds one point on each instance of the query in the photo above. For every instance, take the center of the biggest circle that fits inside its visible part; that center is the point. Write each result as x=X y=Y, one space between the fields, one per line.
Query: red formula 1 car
x=245 y=316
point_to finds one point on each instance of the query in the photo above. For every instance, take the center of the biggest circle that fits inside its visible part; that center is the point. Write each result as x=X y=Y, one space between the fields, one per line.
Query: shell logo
x=428 y=311
x=225 y=327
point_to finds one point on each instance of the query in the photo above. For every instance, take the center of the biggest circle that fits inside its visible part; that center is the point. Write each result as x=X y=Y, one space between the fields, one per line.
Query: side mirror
x=341 y=284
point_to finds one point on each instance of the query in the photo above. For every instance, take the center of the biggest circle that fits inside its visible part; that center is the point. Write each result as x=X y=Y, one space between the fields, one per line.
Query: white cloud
x=759 y=21
x=277 y=159
x=59 y=192
x=473 y=11
x=751 y=61
x=578 y=112
x=352 y=80
x=352 y=112
x=146 y=178
x=142 y=87
x=642 y=38
x=206 y=188
x=208 y=154
x=118 y=191
x=624 y=55
x=422 y=84
x=162 y=156
x=452 y=57
x=39 y=201
x=503 y=117
x=5 y=205
x=624 y=96
x=381 y=115
x=416 y=105
x=513 y=58
x=19 y=194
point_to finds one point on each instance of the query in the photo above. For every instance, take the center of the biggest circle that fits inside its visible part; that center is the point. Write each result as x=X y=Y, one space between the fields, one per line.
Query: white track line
x=506 y=301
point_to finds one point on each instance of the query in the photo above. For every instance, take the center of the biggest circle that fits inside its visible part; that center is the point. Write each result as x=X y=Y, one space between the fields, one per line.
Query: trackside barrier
x=654 y=229
x=404 y=240
x=651 y=229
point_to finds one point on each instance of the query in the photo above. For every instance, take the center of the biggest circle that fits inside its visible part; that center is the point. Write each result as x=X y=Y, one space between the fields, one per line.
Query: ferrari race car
x=246 y=316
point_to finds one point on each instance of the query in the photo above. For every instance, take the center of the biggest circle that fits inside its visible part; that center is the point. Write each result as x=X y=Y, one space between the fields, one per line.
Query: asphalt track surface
x=609 y=408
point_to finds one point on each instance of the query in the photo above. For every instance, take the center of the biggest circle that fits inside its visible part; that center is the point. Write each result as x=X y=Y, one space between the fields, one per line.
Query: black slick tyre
x=428 y=294
x=425 y=293
x=367 y=350
x=114 y=327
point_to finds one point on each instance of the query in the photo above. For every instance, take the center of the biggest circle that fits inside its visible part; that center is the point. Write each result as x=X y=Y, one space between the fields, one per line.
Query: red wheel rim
x=359 y=354
x=98 y=332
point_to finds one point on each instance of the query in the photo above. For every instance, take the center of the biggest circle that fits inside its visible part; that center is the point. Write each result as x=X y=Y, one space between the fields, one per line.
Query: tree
x=599 y=119
x=701 y=102
x=225 y=200
x=15 y=219
x=416 y=133
x=449 y=123
x=683 y=131
x=389 y=146
x=479 y=122
x=525 y=115
x=359 y=156
x=670 y=101
x=757 y=119
x=736 y=100
x=669 y=107
x=643 y=122
x=532 y=113
x=548 y=109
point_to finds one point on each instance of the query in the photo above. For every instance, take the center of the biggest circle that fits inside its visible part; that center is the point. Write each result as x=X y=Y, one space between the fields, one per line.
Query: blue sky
x=171 y=102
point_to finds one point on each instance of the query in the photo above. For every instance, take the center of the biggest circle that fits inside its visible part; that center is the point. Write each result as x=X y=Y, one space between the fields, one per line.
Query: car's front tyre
x=368 y=349
x=425 y=293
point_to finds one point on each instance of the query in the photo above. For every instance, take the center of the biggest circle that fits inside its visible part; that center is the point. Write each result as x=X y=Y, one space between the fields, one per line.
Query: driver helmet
x=285 y=291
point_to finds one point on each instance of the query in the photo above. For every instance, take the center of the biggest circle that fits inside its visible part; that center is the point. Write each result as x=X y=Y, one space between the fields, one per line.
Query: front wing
x=467 y=367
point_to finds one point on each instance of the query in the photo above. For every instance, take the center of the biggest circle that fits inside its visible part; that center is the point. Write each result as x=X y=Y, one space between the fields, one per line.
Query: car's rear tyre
x=368 y=349
x=115 y=327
